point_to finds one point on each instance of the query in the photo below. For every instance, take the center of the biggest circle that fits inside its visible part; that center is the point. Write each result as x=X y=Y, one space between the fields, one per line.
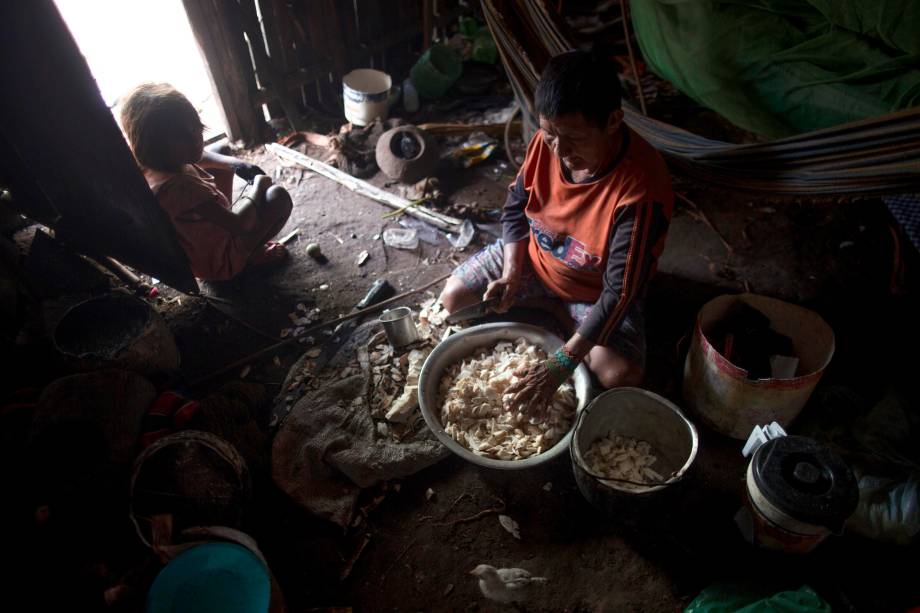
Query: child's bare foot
x=269 y=255
x=260 y=185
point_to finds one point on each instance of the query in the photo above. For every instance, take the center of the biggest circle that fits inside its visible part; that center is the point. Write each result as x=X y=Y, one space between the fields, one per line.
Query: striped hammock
x=873 y=157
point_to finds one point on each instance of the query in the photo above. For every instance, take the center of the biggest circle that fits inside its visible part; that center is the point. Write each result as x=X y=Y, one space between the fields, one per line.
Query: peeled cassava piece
x=473 y=411
x=620 y=457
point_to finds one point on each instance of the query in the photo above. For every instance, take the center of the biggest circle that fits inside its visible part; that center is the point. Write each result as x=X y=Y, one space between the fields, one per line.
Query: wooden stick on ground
x=492 y=129
x=354 y=558
x=500 y=508
x=292 y=341
x=211 y=303
x=409 y=545
x=439 y=220
x=701 y=215
x=122 y=272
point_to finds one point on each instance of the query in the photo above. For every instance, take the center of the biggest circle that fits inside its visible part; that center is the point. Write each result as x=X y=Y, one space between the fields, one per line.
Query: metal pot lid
x=806 y=480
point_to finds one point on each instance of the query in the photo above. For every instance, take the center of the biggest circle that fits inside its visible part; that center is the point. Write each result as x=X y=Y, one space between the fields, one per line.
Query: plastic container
x=401 y=238
x=410 y=96
x=215 y=576
x=366 y=93
x=436 y=70
x=799 y=493
x=641 y=415
x=720 y=392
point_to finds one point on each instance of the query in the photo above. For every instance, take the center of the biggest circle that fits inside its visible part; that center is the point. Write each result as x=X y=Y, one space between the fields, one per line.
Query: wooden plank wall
x=299 y=50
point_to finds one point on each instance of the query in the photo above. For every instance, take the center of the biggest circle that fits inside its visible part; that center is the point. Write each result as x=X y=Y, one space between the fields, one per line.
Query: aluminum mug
x=399 y=326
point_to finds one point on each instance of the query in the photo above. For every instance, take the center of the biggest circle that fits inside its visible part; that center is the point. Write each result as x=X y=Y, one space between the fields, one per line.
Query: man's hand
x=533 y=393
x=246 y=171
x=505 y=289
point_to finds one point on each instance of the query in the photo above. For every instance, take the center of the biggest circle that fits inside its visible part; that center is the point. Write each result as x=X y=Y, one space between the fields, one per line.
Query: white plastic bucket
x=367 y=95
x=720 y=392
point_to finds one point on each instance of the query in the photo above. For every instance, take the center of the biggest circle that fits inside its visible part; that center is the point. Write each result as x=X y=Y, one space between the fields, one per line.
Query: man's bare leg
x=457 y=295
x=613 y=369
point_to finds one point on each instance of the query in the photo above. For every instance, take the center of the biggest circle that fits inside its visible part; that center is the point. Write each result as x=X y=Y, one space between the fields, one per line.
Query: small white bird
x=505 y=584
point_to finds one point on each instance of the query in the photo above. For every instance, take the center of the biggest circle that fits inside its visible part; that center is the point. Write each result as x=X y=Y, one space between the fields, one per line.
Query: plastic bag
x=880 y=443
x=889 y=510
x=401 y=238
x=435 y=71
x=426 y=232
x=484 y=49
x=734 y=598
x=467 y=232
x=477 y=148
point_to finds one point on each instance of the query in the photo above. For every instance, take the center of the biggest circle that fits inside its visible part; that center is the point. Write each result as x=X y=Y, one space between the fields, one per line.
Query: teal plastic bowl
x=220 y=577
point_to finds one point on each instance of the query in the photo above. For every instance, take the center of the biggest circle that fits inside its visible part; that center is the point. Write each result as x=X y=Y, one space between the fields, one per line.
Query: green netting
x=737 y=598
x=783 y=67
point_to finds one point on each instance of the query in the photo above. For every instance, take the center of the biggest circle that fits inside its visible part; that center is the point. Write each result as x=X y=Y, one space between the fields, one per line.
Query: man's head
x=578 y=103
x=162 y=126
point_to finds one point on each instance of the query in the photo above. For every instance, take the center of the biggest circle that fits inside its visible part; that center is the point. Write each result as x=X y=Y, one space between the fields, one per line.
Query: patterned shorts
x=486 y=265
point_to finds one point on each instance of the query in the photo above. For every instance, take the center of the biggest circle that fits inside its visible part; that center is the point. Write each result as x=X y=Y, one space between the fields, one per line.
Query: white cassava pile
x=620 y=457
x=473 y=412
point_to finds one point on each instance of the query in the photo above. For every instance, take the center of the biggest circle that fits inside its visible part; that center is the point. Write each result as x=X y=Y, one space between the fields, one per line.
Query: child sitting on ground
x=220 y=239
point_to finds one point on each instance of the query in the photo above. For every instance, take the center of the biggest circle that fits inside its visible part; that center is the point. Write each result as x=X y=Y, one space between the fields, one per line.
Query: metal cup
x=398 y=325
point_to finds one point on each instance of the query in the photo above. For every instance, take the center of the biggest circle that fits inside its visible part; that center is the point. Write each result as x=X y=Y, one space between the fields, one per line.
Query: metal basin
x=642 y=415
x=464 y=344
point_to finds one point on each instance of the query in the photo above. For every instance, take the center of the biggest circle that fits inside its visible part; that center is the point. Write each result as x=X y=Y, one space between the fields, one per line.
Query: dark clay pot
x=407 y=154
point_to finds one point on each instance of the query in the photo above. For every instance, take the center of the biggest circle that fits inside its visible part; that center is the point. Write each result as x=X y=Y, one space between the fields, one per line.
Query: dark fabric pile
x=744 y=338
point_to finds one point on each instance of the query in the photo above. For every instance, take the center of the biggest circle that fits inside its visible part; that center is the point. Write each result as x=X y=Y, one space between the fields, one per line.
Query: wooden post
x=426 y=24
x=269 y=75
x=328 y=40
x=219 y=31
x=274 y=42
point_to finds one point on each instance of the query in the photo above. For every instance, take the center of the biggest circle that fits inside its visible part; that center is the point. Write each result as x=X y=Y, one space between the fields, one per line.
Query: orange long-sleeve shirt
x=595 y=241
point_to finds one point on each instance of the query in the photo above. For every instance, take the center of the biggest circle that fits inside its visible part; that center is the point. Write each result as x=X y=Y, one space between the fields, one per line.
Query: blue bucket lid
x=223 y=577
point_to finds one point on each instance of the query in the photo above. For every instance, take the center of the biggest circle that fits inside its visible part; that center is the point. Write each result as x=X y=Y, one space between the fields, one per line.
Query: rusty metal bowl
x=465 y=343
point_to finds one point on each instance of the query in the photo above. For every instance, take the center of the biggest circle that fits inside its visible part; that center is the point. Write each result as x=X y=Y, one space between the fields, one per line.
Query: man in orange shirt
x=584 y=224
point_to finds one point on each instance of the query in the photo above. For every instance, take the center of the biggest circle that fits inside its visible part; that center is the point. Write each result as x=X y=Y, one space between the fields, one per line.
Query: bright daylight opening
x=126 y=42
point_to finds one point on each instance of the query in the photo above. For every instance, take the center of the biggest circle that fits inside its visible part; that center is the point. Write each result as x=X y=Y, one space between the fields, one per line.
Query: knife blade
x=475 y=311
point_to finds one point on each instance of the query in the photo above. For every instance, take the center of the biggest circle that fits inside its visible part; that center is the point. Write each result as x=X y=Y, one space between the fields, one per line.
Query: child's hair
x=153 y=116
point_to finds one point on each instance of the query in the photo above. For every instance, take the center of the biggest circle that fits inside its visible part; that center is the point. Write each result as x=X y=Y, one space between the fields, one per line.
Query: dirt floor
x=413 y=553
